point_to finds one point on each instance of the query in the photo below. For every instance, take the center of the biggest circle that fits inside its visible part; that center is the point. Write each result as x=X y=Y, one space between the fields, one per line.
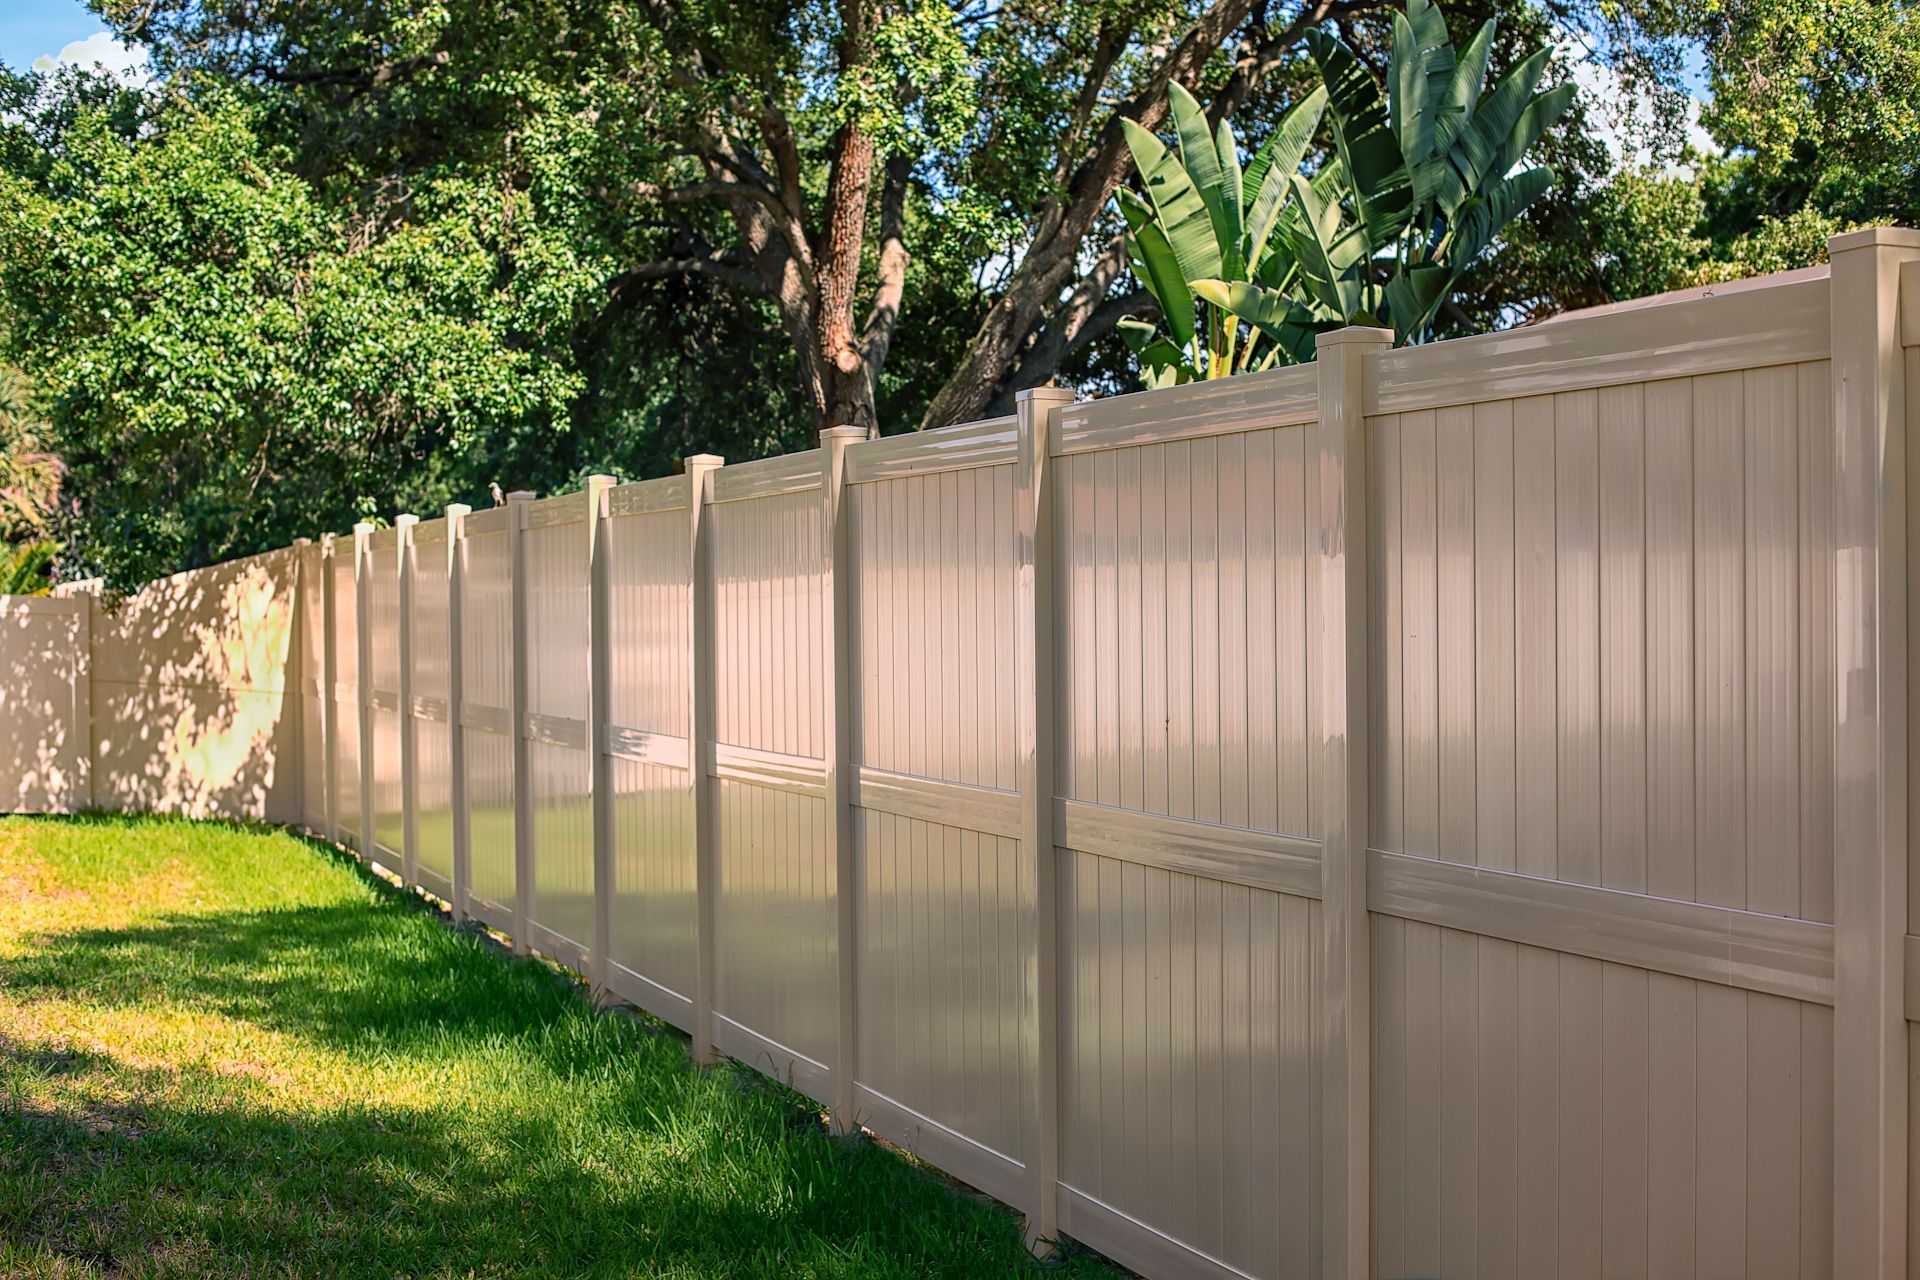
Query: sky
x=59 y=31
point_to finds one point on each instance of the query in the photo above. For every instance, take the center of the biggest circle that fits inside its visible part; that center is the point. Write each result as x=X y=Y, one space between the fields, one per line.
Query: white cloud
x=101 y=50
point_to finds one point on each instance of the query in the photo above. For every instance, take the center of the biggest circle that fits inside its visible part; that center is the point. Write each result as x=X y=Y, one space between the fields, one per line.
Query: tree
x=236 y=357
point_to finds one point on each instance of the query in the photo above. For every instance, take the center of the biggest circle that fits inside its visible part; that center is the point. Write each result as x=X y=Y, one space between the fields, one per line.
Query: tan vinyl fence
x=1433 y=812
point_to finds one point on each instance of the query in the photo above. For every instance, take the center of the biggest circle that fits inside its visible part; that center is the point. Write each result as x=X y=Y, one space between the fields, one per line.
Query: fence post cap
x=458 y=509
x=1363 y=333
x=842 y=433
x=521 y=495
x=405 y=521
x=1874 y=237
x=697 y=460
x=1058 y=394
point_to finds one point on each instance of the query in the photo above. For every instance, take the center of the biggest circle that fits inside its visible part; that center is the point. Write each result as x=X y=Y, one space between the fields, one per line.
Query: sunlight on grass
x=226 y=1051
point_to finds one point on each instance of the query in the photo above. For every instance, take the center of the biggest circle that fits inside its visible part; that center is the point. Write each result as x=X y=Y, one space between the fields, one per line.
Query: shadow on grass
x=539 y=1138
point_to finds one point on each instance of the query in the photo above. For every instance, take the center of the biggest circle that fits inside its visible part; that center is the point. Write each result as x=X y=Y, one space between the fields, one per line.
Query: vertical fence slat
x=409 y=744
x=700 y=469
x=599 y=763
x=362 y=680
x=523 y=852
x=837 y=751
x=1034 y=666
x=456 y=731
x=1341 y=686
x=1870 y=757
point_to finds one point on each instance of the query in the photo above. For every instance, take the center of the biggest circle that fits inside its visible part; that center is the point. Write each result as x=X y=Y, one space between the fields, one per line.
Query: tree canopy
x=358 y=258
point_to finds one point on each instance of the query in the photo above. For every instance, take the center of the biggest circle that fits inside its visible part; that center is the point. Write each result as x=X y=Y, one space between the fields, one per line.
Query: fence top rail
x=430 y=533
x=1782 y=321
x=478 y=524
x=990 y=442
x=384 y=538
x=643 y=497
x=1287 y=397
x=12 y=607
x=557 y=508
x=768 y=477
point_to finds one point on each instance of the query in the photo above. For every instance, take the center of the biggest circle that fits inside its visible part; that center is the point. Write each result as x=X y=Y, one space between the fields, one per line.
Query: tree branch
x=891 y=276
x=715 y=267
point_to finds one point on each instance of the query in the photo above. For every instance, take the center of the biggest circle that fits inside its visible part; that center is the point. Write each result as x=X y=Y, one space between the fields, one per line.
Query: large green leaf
x=1182 y=214
x=1232 y=234
x=1420 y=74
x=1266 y=184
x=1331 y=284
x=1484 y=217
x=1537 y=117
x=1378 y=183
x=1273 y=313
x=1161 y=363
x=1469 y=80
x=1158 y=267
x=1200 y=156
x=1415 y=294
x=1482 y=141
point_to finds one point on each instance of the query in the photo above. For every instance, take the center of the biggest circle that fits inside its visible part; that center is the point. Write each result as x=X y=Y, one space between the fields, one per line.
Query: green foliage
x=30 y=473
x=1423 y=180
x=231 y=354
x=26 y=568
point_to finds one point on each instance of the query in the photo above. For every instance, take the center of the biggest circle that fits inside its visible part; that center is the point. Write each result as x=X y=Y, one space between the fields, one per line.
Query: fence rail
x=1437 y=811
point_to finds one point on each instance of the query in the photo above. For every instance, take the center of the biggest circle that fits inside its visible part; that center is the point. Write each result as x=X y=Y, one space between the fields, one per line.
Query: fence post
x=1340 y=661
x=456 y=732
x=362 y=682
x=840 y=764
x=329 y=714
x=522 y=748
x=1034 y=667
x=409 y=747
x=700 y=469
x=1870 y=1119
x=599 y=705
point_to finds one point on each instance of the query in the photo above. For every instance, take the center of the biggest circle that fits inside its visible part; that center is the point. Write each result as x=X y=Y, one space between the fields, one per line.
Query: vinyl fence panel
x=557 y=664
x=429 y=705
x=45 y=702
x=775 y=957
x=486 y=717
x=194 y=704
x=381 y=699
x=1189 y=926
x=944 y=904
x=346 y=692
x=654 y=916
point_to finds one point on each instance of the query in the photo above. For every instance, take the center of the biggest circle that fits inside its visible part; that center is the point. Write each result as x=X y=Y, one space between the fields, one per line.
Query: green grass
x=227 y=1051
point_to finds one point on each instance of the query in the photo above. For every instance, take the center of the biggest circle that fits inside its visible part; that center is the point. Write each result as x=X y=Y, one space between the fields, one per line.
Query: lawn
x=227 y=1051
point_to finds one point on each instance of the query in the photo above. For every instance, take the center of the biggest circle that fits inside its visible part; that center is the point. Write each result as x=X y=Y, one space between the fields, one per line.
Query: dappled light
x=191 y=683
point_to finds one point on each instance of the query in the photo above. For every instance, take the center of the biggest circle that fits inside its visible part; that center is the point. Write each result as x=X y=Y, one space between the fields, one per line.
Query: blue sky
x=31 y=29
